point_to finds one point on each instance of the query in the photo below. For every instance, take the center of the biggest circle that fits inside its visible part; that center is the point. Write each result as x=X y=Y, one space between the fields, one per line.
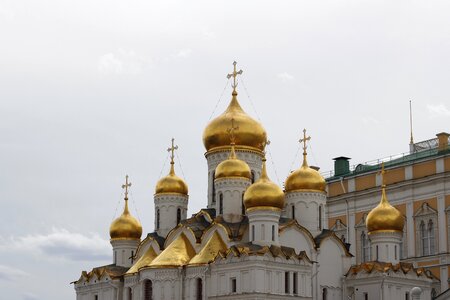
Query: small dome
x=126 y=226
x=384 y=217
x=233 y=167
x=171 y=184
x=305 y=178
x=264 y=193
x=251 y=133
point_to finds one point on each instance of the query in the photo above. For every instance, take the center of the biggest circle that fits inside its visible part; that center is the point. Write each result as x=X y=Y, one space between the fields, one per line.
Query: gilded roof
x=177 y=254
x=384 y=217
x=144 y=261
x=171 y=184
x=383 y=267
x=209 y=252
x=126 y=226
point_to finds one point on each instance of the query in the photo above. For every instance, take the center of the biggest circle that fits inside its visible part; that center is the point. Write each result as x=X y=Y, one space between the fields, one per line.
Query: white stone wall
x=252 y=158
x=232 y=191
x=168 y=204
x=263 y=226
x=386 y=246
x=123 y=250
x=307 y=210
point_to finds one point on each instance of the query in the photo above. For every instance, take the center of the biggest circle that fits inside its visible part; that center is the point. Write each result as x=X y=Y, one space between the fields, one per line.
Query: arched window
x=148 y=290
x=365 y=247
x=199 y=289
x=253 y=233
x=320 y=217
x=253 y=176
x=424 y=238
x=243 y=206
x=220 y=203
x=178 y=215
x=157 y=218
x=130 y=294
x=324 y=294
x=213 y=188
x=293 y=212
x=273 y=232
x=431 y=236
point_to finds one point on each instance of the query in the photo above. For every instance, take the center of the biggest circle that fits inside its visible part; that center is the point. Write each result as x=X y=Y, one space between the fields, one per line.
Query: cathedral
x=253 y=239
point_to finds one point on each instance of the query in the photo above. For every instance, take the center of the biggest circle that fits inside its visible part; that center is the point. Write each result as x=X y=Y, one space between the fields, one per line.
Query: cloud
x=11 y=274
x=29 y=296
x=6 y=13
x=438 y=110
x=285 y=76
x=122 y=62
x=62 y=244
x=369 y=120
x=183 y=53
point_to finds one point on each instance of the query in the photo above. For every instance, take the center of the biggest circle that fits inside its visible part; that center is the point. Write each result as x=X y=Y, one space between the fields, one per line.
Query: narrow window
x=130 y=294
x=253 y=176
x=157 y=218
x=213 y=188
x=115 y=257
x=366 y=296
x=320 y=217
x=199 y=289
x=293 y=211
x=395 y=252
x=295 y=283
x=132 y=256
x=96 y=297
x=286 y=282
x=423 y=238
x=273 y=232
x=148 y=290
x=324 y=294
x=233 y=285
x=253 y=233
x=365 y=247
x=406 y=296
x=243 y=206
x=377 y=254
x=221 y=203
x=263 y=232
x=178 y=216
x=431 y=237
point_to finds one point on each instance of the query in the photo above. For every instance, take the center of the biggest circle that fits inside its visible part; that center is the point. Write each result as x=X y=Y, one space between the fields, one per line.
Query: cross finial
x=234 y=75
x=126 y=186
x=304 y=140
x=383 y=175
x=172 y=150
x=231 y=131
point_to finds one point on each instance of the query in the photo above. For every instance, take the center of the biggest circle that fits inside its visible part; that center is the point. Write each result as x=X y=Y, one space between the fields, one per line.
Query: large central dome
x=250 y=134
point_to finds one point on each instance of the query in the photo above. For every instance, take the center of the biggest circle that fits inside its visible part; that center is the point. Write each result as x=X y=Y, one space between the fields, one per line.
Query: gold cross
x=234 y=75
x=383 y=174
x=126 y=186
x=304 y=140
x=231 y=132
x=172 y=150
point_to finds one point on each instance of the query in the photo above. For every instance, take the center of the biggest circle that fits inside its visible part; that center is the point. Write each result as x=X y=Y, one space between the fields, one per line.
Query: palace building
x=374 y=231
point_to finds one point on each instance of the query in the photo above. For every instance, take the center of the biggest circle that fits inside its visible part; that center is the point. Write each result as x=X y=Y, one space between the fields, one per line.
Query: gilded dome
x=305 y=178
x=251 y=133
x=171 y=184
x=233 y=167
x=384 y=217
x=126 y=226
x=264 y=193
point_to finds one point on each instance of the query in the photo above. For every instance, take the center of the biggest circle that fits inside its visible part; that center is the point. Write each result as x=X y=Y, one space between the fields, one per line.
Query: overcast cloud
x=93 y=90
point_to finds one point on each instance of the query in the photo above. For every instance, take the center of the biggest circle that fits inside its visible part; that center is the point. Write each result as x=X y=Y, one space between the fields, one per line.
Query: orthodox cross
x=383 y=174
x=126 y=186
x=234 y=75
x=172 y=150
x=231 y=132
x=304 y=140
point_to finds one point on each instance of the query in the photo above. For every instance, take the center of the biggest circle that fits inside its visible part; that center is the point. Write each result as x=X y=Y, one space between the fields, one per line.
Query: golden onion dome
x=233 y=167
x=305 y=178
x=384 y=217
x=126 y=226
x=264 y=193
x=251 y=133
x=171 y=184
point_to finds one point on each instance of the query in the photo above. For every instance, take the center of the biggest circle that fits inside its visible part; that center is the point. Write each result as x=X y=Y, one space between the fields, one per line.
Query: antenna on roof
x=411 y=140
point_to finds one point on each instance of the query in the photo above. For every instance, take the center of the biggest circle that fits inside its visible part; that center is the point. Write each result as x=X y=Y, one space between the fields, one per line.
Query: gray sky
x=93 y=90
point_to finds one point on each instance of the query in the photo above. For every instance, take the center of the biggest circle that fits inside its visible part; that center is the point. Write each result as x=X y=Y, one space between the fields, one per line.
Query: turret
x=385 y=227
x=125 y=233
x=171 y=199
x=263 y=202
x=306 y=196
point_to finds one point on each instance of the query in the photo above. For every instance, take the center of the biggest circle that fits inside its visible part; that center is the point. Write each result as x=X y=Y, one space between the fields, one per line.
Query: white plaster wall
x=297 y=239
x=168 y=204
x=332 y=264
x=124 y=250
x=232 y=190
x=263 y=220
